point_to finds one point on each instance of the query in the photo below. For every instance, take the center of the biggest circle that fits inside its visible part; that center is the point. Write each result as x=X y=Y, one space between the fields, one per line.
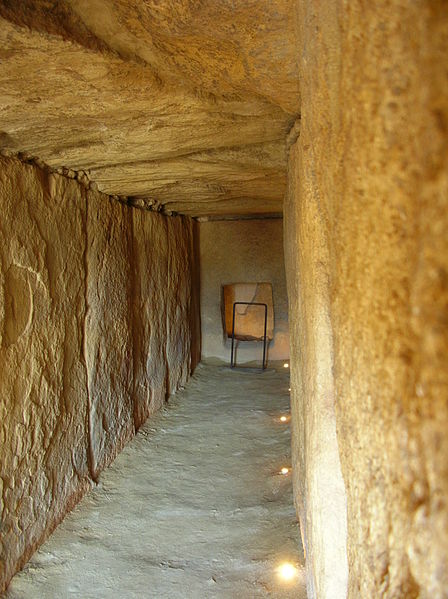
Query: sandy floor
x=193 y=507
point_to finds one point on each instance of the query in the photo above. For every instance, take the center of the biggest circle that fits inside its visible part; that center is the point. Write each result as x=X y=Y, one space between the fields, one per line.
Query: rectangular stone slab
x=249 y=320
x=108 y=329
x=43 y=387
x=179 y=284
x=163 y=310
x=150 y=264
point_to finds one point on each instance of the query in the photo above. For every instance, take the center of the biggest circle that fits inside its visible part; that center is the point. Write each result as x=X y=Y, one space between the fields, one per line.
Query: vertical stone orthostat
x=87 y=287
x=43 y=433
x=366 y=247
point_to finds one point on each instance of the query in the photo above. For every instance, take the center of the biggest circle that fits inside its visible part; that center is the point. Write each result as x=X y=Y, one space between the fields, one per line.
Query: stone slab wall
x=367 y=261
x=87 y=288
x=108 y=339
x=242 y=251
x=318 y=485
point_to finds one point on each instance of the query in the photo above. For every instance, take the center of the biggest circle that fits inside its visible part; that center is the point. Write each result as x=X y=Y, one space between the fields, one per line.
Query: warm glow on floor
x=287 y=572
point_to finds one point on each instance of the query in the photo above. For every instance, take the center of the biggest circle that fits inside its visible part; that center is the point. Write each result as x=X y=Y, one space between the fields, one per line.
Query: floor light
x=287 y=572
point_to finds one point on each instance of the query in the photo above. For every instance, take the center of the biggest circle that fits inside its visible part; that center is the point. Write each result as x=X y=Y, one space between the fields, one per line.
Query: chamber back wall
x=242 y=251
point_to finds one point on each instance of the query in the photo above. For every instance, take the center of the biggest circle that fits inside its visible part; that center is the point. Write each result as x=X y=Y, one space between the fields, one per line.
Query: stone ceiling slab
x=184 y=103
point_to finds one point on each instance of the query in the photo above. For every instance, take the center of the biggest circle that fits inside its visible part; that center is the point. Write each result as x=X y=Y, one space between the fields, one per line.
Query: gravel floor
x=193 y=508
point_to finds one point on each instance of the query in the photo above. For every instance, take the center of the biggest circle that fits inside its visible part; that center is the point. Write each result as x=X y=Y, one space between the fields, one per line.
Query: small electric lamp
x=286 y=365
x=283 y=418
x=284 y=470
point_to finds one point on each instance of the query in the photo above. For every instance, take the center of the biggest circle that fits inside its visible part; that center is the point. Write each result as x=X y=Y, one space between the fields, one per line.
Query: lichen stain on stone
x=18 y=300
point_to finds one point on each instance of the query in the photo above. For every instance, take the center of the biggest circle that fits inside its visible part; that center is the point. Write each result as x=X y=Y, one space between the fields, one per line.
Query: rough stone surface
x=242 y=251
x=177 y=308
x=150 y=293
x=367 y=254
x=166 y=310
x=185 y=104
x=43 y=400
x=194 y=506
x=195 y=300
x=108 y=328
x=319 y=488
x=69 y=267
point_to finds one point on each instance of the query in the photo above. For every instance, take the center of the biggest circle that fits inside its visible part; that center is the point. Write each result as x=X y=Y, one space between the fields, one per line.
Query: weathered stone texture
x=70 y=362
x=168 y=101
x=164 y=318
x=319 y=488
x=177 y=308
x=150 y=290
x=366 y=227
x=43 y=410
x=108 y=328
x=195 y=300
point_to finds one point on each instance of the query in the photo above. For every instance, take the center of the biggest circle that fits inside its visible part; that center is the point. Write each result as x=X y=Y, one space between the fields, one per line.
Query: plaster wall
x=241 y=251
x=97 y=328
x=367 y=262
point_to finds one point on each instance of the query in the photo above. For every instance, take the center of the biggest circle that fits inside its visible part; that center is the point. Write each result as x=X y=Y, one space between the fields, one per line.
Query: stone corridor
x=194 y=506
x=154 y=155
